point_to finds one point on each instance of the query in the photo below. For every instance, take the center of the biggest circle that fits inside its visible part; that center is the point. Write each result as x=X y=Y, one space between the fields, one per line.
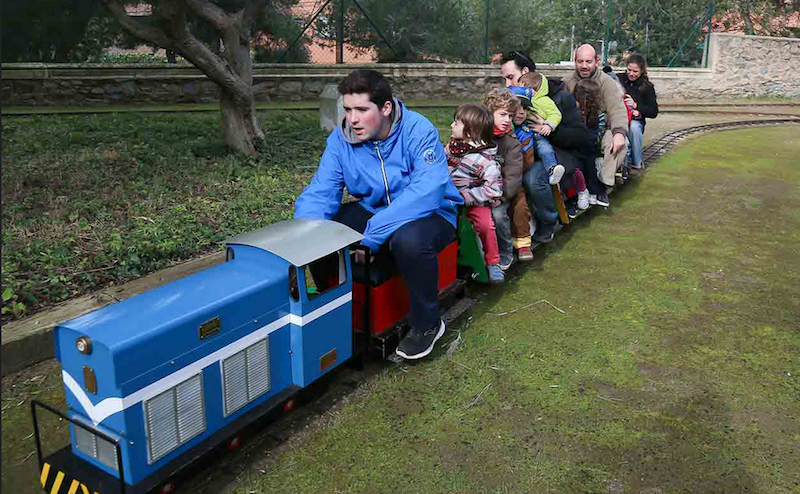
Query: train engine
x=155 y=381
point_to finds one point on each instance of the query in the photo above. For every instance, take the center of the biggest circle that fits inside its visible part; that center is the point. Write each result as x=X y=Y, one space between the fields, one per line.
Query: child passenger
x=472 y=159
x=543 y=116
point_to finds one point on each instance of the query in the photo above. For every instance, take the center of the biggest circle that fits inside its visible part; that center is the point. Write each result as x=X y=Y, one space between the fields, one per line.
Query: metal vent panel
x=246 y=375
x=191 y=413
x=96 y=447
x=174 y=417
x=258 y=369
x=84 y=441
x=234 y=370
x=106 y=452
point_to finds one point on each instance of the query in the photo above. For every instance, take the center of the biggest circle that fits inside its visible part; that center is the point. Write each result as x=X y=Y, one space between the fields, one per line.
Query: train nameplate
x=327 y=360
x=208 y=328
x=89 y=379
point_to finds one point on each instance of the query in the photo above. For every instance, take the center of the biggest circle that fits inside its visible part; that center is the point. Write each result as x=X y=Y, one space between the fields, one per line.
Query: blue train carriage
x=157 y=380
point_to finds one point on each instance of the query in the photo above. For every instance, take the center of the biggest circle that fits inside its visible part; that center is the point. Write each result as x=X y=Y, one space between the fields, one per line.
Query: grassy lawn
x=673 y=370
x=99 y=199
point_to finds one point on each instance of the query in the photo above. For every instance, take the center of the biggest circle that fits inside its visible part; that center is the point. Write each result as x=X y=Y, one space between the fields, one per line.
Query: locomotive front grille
x=96 y=447
x=246 y=375
x=174 y=417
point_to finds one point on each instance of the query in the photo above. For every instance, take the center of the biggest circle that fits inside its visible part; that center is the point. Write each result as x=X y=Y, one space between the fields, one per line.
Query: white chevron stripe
x=110 y=406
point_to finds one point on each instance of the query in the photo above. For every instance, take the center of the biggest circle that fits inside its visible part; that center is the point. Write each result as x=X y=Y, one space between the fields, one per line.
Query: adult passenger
x=535 y=180
x=613 y=139
x=640 y=95
x=391 y=159
x=571 y=139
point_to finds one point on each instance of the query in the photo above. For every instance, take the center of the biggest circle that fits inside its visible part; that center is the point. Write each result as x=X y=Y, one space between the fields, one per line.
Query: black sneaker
x=572 y=211
x=544 y=237
x=418 y=344
x=602 y=200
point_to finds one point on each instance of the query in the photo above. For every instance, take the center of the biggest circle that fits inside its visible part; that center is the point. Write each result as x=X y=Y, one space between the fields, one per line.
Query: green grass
x=93 y=200
x=673 y=370
x=99 y=199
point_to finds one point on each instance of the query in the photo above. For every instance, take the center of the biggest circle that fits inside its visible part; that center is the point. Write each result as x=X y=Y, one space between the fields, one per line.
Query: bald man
x=615 y=148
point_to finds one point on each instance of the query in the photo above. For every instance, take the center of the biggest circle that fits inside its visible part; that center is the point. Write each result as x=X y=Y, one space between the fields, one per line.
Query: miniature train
x=155 y=381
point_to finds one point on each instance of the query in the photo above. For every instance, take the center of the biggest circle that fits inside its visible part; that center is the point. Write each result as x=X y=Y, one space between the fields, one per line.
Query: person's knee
x=535 y=178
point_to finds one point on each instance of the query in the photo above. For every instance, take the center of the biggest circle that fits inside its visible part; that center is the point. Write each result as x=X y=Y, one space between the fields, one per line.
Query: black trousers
x=414 y=247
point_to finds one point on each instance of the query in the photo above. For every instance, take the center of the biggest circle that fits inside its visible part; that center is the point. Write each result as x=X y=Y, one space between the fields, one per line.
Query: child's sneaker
x=496 y=275
x=556 y=172
x=583 y=199
x=524 y=254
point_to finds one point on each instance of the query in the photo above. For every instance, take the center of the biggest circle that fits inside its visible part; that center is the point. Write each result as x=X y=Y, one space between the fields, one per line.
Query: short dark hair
x=367 y=81
x=521 y=59
x=478 y=121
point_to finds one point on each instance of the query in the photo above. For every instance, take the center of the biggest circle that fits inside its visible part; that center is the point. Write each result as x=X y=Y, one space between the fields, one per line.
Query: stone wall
x=739 y=66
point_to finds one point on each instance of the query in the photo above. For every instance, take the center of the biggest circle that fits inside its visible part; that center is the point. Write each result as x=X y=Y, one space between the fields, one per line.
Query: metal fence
x=464 y=31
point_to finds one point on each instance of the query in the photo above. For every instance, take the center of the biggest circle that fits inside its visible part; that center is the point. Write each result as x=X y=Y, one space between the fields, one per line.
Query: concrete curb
x=29 y=341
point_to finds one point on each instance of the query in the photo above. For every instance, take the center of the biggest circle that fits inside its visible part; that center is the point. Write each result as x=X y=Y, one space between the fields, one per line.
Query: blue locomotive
x=155 y=381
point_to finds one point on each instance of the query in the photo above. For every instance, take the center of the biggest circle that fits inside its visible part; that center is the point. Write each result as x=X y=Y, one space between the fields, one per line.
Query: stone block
x=129 y=88
x=331 y=108
x=191 y=88
x=112 y=89
x=314 y=86
x=290 y=87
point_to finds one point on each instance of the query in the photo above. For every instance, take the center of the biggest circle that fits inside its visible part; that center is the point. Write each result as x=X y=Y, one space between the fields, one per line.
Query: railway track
x=666 y=142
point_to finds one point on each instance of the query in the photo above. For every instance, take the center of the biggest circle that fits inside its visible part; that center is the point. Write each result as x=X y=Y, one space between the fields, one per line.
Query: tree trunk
x=239 y=119
x=240 y=123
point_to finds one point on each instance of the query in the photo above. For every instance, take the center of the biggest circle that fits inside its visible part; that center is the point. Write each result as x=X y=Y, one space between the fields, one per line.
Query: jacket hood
x=397 y=114
x=555 y=86
x=543 y=91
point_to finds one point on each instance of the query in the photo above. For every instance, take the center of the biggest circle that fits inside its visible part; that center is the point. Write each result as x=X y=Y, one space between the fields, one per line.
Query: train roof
x=300 y=241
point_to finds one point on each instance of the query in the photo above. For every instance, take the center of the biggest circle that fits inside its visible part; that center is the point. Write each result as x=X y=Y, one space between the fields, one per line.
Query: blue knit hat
x=525 y=94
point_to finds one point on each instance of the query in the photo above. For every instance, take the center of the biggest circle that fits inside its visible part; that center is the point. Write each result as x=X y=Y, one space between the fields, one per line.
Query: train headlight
x=84 y=345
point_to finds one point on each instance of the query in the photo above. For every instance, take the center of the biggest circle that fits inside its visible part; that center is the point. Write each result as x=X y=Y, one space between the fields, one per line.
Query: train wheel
x=167 y=487
x=234 y=442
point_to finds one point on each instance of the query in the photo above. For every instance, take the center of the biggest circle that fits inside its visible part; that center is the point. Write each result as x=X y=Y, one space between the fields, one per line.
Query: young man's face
x=502 y=119
x=520 y=115
x=366 y=119
x=512 y=73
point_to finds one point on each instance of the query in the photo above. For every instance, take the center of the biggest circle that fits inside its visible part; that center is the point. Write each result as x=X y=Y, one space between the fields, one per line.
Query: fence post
x=486 y=36
x=340 y=35
x=606 y=40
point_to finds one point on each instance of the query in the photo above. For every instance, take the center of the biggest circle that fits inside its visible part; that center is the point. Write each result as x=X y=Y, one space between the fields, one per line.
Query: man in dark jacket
x=571 y=139
x=535 y=180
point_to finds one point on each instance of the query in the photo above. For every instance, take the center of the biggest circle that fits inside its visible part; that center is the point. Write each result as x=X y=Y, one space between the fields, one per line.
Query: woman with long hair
x=640 y=95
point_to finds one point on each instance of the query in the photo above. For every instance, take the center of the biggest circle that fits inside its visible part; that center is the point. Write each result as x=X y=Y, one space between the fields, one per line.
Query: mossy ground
x=673 y=370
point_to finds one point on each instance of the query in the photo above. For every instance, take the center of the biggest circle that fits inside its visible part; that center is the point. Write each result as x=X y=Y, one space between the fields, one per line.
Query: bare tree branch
x=137 y=28
x=253 y=8
x=218 y=18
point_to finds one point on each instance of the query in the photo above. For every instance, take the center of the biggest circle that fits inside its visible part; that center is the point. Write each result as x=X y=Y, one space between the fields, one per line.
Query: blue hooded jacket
x=399 y=179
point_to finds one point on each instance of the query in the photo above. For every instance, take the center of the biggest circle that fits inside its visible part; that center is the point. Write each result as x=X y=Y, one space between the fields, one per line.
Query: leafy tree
x=216 y=37
x=55 y=31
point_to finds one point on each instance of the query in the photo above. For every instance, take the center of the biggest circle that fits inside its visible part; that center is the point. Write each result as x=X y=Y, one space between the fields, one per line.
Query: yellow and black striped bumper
x=57 y=482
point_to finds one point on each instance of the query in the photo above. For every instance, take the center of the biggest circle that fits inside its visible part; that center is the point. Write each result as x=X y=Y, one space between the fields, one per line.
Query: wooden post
x=562 y=209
